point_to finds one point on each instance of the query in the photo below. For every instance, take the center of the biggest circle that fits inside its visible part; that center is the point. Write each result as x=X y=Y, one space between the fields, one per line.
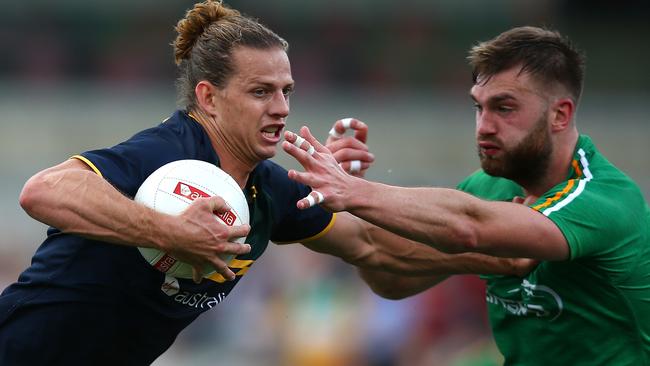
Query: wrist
x=358 y=194
x=157 y=230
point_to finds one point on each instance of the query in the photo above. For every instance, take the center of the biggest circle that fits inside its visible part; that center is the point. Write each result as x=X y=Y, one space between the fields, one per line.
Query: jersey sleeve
x=591 y=215
x=129 y=163
x=291 y=224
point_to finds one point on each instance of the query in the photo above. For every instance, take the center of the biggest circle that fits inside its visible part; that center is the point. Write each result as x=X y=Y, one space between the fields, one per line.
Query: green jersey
x=594 y=308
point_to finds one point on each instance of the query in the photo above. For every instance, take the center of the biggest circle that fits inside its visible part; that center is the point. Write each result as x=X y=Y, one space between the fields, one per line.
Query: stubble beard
x=527 y=162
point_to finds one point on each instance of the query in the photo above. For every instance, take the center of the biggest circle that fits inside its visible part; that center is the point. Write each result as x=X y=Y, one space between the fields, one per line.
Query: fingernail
x=372 y=156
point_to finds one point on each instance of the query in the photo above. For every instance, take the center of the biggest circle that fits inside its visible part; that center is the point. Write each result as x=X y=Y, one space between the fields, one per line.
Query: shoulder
x=274 y=180
x=599 y=209
x=175 y=127
x=597 y=184
x=484 y=186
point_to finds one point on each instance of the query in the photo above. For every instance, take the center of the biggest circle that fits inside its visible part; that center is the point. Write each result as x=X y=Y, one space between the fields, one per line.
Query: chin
x=266 y=154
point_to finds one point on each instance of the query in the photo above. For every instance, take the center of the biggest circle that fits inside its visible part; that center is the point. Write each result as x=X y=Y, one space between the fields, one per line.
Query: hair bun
x=196 y=20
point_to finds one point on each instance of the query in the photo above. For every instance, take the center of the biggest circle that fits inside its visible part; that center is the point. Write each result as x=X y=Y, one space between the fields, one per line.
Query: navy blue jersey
x=75 y=273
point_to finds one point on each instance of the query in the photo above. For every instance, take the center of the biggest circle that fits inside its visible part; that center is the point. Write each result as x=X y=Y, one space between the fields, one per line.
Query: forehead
x=510 y=82
x=269 y=65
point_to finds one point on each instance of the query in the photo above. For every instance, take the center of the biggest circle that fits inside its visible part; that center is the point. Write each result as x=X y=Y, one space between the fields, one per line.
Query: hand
x=328 y=180
x=350 y=151
x=200 y=239
x=528 y=200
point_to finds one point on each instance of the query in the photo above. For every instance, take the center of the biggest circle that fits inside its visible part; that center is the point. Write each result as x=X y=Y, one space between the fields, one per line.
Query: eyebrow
x=497 y=98
x=255 y=81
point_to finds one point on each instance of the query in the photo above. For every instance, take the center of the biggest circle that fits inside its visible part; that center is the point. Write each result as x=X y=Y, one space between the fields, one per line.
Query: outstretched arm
x=393 y=265
x=446 y=219
x=72 y=198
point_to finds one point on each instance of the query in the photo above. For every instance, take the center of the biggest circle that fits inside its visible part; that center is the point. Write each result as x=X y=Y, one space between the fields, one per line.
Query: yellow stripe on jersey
x=576 y=167
x=559 y=195
x=242 y=265
x=89 y=163
x=317 y=236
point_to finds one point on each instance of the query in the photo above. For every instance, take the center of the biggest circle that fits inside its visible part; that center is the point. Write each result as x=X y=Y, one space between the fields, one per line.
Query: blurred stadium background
x=76 y=75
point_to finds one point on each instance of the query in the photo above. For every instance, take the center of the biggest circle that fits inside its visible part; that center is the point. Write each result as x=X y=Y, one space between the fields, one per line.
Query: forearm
x=368 y=246
x=403 y=277
x=396 y=254
x=77 y=201
x=439 y=217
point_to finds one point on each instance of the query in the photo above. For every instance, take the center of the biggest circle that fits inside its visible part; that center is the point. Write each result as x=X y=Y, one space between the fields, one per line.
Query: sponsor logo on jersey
x=529 y=300
x=171 y=287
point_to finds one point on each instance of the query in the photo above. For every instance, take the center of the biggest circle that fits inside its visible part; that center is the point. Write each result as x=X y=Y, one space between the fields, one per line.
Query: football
x=173 y=187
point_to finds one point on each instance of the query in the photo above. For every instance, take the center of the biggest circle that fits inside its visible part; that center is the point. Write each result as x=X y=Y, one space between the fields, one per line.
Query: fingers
x=303 y=147
x=354 y=166
x=234 y=248
x=305 y=141
x=216 y=204
x=238 y=231
x=347 y=157
x=312 y=199
x=528 y=200
x=222 y=268
x=301 y=177
x=300 y=141
x=197 y=274
x=342 y=125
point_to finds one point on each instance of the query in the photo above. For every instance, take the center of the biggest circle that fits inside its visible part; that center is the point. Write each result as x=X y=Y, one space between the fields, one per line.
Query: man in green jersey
x=544 y=192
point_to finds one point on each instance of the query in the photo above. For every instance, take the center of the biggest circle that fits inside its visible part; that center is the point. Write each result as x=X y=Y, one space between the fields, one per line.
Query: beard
x=528 y=161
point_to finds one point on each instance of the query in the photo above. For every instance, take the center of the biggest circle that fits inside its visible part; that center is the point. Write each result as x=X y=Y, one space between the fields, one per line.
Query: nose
x=279 y=105
x=485 y=124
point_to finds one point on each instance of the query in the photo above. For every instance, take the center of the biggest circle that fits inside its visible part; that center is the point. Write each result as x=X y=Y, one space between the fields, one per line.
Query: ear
x=206 y=94
x=563 y=111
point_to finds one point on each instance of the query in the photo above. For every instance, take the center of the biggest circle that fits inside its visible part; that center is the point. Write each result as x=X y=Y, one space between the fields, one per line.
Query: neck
x=230 y=162
x=558 y=167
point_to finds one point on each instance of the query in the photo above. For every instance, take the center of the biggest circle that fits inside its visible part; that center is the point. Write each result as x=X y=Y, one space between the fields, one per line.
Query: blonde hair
x=206 y=38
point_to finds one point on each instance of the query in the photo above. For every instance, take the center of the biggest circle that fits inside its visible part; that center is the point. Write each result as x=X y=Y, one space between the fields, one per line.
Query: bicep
x=515 y=230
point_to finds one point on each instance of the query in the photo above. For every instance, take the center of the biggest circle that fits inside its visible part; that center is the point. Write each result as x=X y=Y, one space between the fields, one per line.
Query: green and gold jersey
x=593 y=309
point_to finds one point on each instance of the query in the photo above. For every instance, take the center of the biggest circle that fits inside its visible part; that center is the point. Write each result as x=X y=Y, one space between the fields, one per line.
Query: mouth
x=272 y=133
x=488 y=148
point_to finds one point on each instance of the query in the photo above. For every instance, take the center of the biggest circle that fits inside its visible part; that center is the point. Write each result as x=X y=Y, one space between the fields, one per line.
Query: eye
x=478 y=107
x=504 y=109
x=259 y=92
x=287 y=91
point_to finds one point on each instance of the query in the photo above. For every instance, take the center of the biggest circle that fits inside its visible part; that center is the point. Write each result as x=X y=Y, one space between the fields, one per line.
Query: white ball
x=173 y=187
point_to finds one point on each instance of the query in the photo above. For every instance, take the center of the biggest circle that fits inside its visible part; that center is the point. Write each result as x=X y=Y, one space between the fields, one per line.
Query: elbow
x=33 y=194
x=384 y=285
x=28 y=198
x=389 y=294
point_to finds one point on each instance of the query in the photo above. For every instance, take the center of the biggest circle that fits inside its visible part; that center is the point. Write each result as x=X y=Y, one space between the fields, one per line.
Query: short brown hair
x=543 y=53
x=206 y=38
